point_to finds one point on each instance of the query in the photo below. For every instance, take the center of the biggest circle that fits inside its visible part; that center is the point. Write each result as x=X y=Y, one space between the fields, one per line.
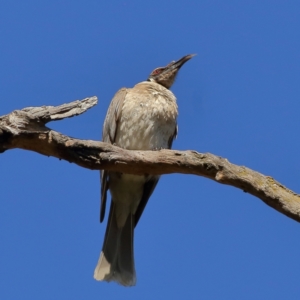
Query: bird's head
x=166 y=75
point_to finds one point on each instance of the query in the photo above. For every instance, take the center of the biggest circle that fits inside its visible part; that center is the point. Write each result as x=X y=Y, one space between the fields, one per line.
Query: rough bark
x=26 y=129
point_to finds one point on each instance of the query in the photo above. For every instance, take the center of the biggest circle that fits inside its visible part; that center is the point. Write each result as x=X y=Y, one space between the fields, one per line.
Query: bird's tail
x=116 y=262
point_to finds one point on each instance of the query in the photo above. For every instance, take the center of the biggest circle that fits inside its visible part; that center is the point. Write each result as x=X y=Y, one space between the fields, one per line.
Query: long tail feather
x=116 y=262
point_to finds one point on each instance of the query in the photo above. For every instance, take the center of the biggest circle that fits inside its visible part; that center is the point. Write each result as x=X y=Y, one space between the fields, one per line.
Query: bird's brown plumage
x=140 y=118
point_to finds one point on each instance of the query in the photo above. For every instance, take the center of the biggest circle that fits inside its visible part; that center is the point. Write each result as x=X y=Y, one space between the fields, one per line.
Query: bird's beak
x=176 y=65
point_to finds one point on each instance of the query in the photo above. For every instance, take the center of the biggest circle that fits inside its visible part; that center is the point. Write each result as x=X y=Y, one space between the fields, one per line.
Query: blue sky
x=238 y=98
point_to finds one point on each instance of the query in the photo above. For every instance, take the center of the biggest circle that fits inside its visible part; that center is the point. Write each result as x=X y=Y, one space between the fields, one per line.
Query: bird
x=140 y=118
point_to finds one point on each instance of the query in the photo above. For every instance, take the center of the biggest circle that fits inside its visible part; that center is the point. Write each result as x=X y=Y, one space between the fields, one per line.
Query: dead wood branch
x=25 y=129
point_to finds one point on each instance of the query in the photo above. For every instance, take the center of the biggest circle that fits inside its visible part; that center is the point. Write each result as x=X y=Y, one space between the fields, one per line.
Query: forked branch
x=26 y=129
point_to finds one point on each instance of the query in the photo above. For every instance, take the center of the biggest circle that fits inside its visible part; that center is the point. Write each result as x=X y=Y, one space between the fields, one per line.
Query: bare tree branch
x=25 y=129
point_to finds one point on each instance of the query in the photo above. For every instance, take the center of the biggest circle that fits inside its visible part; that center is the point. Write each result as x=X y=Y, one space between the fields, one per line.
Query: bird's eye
x=156 y=71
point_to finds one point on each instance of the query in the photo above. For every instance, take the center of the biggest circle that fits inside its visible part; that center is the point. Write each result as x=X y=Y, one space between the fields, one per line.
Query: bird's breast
x=148 y=118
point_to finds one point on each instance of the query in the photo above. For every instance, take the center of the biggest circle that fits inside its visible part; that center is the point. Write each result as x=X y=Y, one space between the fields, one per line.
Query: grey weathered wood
x=25 y=129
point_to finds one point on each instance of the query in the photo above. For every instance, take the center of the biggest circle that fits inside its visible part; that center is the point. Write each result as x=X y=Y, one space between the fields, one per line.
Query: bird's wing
x=150 y=185
x=172 y=137
x=108 y=136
